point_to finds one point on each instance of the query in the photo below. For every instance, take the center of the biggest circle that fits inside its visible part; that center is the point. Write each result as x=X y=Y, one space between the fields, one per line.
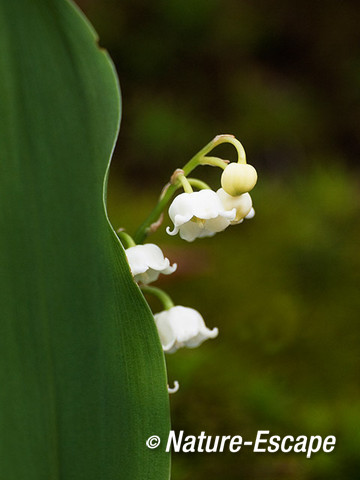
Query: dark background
x=283 y=288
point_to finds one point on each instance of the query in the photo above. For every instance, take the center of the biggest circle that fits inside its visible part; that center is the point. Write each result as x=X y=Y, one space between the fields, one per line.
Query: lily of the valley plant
x=194 y=214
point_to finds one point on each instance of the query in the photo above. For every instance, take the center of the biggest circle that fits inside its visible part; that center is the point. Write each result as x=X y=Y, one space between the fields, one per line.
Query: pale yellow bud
x=238 y=178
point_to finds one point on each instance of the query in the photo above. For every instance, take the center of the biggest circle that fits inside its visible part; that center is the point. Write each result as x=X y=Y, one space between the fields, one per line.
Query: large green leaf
x=82 y=374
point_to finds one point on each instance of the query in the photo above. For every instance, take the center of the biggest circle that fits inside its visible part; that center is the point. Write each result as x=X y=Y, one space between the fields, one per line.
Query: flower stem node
x=147 y=262
x=242 y=204
x=238 y=178
x=199 y=214
x=182 y=327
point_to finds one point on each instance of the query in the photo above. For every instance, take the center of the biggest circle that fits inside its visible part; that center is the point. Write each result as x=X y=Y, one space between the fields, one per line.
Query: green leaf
x=82 y=373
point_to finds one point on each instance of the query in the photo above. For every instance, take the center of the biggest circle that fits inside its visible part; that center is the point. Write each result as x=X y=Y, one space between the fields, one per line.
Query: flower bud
x=238 y=178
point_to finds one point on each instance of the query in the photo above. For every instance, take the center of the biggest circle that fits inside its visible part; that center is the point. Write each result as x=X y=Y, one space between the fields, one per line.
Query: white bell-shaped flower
x=182 y=327
x=147 y=262
x=199 y=214
x=242 y=204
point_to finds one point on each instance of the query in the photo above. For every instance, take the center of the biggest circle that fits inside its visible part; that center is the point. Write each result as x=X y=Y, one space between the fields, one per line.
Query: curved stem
x=234 y=141
x=126 y=239
x=160 y=294
x=214 y=161
x=195 y=182
x=185 y=183
x=196 y=160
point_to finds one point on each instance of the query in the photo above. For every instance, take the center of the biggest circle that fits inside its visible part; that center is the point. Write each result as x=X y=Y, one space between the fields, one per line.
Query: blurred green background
x=283 y=288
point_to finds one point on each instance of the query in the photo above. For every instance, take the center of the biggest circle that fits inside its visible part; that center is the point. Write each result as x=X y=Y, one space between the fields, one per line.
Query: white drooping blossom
x=147 y=262
x=199 y=214
x=182 y=327
x=242 y=204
